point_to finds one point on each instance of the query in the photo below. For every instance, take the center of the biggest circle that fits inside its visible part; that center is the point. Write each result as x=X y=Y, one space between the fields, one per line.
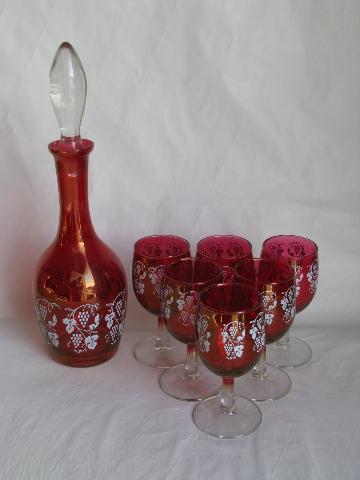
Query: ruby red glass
x=275 y=280
x=302 y=254
x=182 y=282
x=226 y=250
x=230 y=338
x=151 y=255
x=80 y=290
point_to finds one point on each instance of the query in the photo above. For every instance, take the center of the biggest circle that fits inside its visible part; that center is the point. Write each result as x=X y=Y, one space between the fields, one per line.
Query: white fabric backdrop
x=208 y=116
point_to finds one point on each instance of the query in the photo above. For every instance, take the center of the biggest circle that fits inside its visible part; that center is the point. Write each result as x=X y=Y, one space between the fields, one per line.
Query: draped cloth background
x=208 y=116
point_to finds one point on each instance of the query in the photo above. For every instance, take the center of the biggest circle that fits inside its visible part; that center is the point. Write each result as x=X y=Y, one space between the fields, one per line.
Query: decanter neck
x=72 y=173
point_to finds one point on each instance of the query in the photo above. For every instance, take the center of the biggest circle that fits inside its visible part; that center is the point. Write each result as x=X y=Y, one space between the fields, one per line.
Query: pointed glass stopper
x=68 y=92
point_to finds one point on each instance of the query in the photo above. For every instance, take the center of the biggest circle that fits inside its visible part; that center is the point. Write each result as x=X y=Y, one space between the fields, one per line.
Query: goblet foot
x=293 y=354
x=273 y=385
x=152 y=353
x=176 y=383
x=210 y=418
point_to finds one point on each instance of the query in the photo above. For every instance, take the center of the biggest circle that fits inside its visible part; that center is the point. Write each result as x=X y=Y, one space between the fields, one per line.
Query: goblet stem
x=259 y=370
x=162 y=336
x=284 y=342
x=191 y=366
x=227 y=395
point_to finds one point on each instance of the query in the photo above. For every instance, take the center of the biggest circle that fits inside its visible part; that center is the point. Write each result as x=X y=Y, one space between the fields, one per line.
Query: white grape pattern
x=204 y=335
x=115 y=318
x=46 y=314
x=269 y=303
x=82 y=324
x=312 y=276
x=257 y=332
x=167 y=298
x=188 y=306
x=288 y=303
x=139 y=274
x=155 y=275
x=298 y=278
x=233 y=335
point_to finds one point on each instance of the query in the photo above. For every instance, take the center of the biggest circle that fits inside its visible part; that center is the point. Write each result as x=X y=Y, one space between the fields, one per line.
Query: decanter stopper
x=68 y=92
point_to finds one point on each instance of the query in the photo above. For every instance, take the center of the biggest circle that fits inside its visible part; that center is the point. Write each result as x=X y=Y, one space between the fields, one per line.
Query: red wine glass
x=151 y=255
x=229 y=338
x=182 y=282
x=302 y=254
x=226 y=250
x=275 y=280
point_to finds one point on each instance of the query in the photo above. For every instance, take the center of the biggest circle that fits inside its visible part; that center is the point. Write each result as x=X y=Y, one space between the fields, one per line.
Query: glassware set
x=226 y=306
x=223 y=304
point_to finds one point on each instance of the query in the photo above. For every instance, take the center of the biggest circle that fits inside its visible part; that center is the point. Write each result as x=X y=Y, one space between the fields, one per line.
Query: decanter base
x=90 y=361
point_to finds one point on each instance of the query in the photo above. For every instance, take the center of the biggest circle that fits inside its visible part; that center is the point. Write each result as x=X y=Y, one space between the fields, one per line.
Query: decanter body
x=80 y=290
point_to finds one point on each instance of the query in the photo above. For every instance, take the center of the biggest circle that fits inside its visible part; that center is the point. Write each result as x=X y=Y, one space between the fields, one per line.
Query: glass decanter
x=80 y=289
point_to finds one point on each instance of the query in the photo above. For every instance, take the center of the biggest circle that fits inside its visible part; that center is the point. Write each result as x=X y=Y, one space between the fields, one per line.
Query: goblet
x=275 y=280
x=229 y=338
x=181 y=284
x=226 y=251
x=302 y=254
x=151 y=255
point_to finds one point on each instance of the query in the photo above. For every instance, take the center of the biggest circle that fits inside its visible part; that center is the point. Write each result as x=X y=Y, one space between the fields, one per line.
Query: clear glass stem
x=259 y=371
x=162 y=340
x=284 y=342
x=191 y=366
x=227 y=395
